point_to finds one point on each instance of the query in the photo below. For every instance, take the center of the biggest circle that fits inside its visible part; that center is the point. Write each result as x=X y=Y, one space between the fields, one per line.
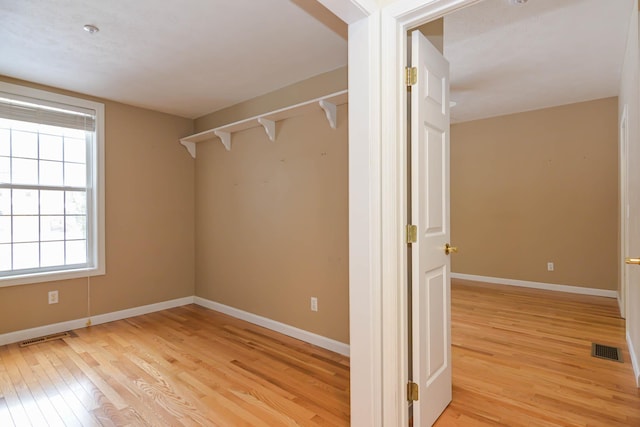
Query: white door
x=431 y=267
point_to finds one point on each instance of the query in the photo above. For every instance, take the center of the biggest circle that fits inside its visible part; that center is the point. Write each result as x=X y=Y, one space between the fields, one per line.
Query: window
x=51 y=186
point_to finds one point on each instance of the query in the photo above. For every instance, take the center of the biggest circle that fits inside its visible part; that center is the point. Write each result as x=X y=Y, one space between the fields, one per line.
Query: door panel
x=434 y=211
x=434 y=297
x=430 y=266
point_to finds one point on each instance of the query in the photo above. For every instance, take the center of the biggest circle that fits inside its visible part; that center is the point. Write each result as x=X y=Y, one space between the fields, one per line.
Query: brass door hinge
x=412 y=391
x=412 y=233
x=411 y=76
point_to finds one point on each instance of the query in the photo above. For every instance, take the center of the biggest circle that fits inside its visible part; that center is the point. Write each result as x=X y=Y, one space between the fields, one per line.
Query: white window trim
x=98 y=202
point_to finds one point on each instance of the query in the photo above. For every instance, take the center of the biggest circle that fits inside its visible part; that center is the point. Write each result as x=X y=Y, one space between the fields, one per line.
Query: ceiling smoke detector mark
x=91 y=29
x=517 y=2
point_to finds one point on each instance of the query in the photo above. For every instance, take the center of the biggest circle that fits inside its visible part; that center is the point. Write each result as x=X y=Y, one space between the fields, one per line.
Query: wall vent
x=606 y=352
x=45 y=338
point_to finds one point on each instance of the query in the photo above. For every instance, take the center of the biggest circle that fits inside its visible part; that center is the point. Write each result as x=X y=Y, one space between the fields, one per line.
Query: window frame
x=96 y=258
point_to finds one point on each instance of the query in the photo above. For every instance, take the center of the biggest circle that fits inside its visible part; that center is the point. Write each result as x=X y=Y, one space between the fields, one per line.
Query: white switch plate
x=550 y=266
x=53 y=297
x=314 y=304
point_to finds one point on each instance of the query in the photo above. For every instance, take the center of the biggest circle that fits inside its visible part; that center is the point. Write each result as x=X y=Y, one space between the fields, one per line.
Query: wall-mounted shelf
x=327 y=103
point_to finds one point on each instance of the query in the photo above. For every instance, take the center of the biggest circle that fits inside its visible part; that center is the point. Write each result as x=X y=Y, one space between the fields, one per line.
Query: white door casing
x=377 y=206
x=624 y=211
x=431 y=267
x=377 y=117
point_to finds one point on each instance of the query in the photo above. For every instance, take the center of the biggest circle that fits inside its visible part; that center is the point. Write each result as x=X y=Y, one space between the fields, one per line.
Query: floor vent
x=606 y=352
x=44 y=339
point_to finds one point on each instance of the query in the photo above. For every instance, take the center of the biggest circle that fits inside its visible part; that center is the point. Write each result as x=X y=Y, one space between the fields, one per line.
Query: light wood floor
x=187 y=366
x=520 y=358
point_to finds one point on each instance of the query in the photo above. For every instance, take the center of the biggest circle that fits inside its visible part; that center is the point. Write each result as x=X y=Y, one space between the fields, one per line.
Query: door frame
x=624 y=209
x=377 y=200
x=396 y=20
x=377 y=188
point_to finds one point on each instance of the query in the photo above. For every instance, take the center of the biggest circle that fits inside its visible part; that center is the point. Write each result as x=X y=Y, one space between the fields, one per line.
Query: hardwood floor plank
x=5 y=415
x=522 y=357
x=179 y=367
x=76 y=390
x=40 y=397
x=62 y=409
x=21 y=394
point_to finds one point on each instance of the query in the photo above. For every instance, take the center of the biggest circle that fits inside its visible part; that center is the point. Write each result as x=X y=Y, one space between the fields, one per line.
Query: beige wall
x=149 y=225
x=312 y=88
x=325 y=16
x=272 y=223
x=434 y=32
x=535 y=187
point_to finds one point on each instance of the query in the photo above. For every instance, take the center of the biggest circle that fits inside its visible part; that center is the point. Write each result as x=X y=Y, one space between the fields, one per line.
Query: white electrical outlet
x=314 y=304
x=550 y=266
x=53 y=297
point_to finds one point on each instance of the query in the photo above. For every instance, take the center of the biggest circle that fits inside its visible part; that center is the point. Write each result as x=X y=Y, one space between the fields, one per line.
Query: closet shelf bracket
x=331 y=111
x=269 y=127
x=328 y=103
x=225 y=137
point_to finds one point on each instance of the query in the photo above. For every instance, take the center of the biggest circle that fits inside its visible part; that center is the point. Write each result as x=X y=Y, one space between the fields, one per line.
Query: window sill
x=33 y=278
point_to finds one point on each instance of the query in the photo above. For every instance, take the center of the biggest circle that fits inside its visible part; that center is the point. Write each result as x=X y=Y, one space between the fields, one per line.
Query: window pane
x=25 y=255
x=24 y=144
x=44 y=202
x=5 y=229
x=5 y=201
x=76 y=203
x=75 y=133
x=75 y=150
x=25 y=202
x=5 y=171
x=25 y=229
x=50 y=147
x=25 y=171
x=18 y=125
x=5 y=142
x=75 y=175
x=76 y=227
x=51 y=228
x=50 y=130
x=51 y=253
x=51 y=202
x=77 y=252
x=50 y=173
x=5 y=257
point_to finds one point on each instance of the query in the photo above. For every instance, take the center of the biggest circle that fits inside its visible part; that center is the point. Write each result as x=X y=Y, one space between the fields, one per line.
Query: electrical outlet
x=314 y=304
x=53 y=297
x=550 y=266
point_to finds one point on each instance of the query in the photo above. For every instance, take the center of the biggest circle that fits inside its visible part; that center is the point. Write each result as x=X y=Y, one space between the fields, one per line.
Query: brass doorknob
x=632 y=261
x=448 y=249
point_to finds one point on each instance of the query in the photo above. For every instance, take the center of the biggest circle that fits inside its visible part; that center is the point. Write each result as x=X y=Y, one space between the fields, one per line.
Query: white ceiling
x=506 y=59
x=187 y=58
x=193 y=57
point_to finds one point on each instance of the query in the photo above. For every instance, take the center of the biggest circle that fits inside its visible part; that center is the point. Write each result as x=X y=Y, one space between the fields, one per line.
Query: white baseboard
x=622 y=313
x=634 y=361
x=283 y=328
x=538 y=285
x=301 y=334
x=40 y=331
x=139 y=311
